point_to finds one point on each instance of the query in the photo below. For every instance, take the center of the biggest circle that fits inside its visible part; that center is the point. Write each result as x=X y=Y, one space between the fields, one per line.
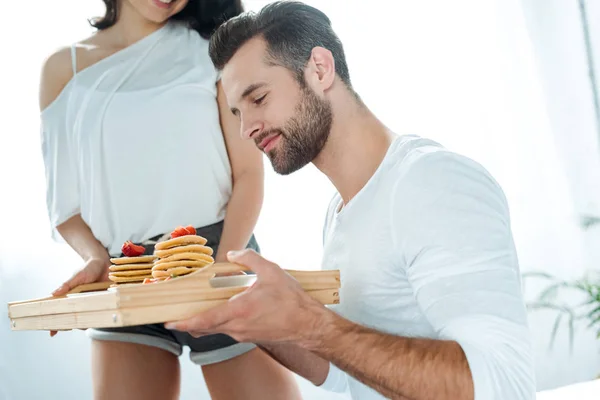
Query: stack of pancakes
x=127 y=270
x=180 y=256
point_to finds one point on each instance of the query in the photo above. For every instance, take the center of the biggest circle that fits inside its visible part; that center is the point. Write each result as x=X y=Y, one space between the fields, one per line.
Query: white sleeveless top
x=133 y=143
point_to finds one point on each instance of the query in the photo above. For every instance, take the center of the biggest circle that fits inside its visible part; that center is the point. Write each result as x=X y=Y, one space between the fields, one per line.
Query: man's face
x=286 y=120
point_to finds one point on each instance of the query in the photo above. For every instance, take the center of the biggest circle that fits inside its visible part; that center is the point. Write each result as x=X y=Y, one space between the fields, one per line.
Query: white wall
x=556 y=32
x=461 y=72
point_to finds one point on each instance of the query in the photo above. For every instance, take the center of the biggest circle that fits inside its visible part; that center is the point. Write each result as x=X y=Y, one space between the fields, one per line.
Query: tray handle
x=90 y=287
x=218 y=269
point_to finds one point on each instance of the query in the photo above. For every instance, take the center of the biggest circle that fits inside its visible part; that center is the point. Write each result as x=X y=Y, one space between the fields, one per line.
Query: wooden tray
x=97 y=305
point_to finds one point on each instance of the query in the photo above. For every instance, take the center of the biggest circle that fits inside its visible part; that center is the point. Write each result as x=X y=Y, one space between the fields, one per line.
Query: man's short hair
x=291 y=29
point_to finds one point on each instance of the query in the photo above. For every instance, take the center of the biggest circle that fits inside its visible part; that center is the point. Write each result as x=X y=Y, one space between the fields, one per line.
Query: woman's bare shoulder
x=57 y=69
x=56 y=73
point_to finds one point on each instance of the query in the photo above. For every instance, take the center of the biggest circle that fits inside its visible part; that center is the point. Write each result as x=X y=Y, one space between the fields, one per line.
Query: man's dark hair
x=291 y=30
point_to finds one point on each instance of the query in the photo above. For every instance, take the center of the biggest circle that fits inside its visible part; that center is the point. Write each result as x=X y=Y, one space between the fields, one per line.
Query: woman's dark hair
x=204 y=16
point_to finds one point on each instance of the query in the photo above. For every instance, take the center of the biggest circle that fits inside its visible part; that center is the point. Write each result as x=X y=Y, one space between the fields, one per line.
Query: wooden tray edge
x=136 y=315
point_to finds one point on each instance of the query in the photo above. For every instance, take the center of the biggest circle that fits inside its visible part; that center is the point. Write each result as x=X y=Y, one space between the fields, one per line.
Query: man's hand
x=273 y=310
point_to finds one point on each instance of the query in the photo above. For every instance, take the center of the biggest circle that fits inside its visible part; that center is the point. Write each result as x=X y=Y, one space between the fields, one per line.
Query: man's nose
x=251 y=130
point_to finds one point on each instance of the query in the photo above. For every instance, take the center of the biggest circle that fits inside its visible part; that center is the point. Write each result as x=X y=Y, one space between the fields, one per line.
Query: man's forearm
x=306 y=364
x=398 y=367
x=301 y=361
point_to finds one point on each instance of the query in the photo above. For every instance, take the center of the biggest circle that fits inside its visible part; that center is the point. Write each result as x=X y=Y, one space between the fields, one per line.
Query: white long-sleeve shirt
x=425 y=249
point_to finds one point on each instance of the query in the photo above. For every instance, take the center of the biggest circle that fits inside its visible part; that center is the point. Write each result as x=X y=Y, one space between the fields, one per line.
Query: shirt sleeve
x=452 y=225
x=336 y=381
x=62 y=189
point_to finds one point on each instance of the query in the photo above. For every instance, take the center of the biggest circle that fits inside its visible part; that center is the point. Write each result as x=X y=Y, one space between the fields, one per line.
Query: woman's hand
x=94 y=270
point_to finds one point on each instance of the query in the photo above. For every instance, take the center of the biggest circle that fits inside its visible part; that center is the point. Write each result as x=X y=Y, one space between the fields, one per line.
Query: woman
x=137 y=139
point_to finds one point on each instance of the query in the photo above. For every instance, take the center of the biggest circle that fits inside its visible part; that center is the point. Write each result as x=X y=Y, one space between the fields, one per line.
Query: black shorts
x=204 y=350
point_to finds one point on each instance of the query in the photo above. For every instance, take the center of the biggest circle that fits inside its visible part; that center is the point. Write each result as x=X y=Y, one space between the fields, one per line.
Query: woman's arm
x=56 y=72
x=246 y=200
x=95 y=256
x=81 y=239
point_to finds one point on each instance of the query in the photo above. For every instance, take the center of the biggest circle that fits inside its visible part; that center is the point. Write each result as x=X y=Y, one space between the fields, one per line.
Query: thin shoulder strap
x=74 y=59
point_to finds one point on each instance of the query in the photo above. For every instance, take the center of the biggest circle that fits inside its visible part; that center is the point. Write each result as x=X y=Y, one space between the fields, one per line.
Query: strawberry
x=179 y=231
x=183 y=231
x=132 y=250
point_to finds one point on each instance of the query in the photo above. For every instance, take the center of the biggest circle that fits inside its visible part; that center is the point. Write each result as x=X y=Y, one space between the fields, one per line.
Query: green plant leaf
x=550 y=306
x=549 y=294
x=588 y=308
x=571 y=333
x=538 y=275
x=554 y=330
x=592 y=313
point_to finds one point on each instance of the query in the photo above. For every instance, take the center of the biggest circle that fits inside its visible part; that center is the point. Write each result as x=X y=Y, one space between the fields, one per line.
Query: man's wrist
x=323 y=327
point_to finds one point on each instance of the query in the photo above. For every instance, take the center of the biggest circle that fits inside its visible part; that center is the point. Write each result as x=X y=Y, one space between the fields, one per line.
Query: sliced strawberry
x=191 y=230
x=132 y=250
x=179 y=231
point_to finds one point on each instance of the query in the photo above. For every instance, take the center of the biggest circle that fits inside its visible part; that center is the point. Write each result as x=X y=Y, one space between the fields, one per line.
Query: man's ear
x=321 y=69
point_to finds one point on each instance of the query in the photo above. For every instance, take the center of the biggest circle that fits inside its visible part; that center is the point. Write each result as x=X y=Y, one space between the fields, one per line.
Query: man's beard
x=304 y=135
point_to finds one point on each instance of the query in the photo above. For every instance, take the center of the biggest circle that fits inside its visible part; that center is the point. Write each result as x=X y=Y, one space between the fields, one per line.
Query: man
x=431 y=306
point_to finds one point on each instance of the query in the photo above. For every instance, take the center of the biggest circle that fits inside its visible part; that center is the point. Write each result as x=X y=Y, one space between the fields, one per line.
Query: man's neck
x=357 y=144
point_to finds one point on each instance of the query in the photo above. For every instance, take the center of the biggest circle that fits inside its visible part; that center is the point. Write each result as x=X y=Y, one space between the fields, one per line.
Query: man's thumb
x=251 y=259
